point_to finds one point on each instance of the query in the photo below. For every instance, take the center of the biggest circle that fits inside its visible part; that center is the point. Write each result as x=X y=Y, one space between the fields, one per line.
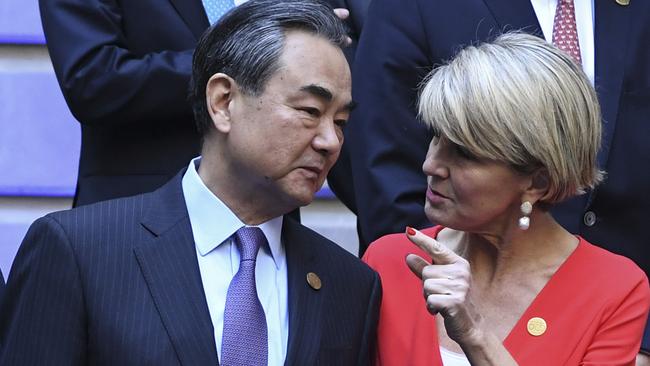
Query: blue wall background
x=20 y=22
x=39 y=138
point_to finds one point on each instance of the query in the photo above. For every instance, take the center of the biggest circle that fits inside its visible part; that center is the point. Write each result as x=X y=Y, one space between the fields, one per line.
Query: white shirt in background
x=545 y=11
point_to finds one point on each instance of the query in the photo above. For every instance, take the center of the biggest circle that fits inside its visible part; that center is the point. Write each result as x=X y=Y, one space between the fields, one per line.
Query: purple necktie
x=244 y=323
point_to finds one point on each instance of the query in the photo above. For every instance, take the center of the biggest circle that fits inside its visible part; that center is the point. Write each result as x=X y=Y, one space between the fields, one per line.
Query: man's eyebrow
x=318 y=91
x=350 y=106
x=326 y=94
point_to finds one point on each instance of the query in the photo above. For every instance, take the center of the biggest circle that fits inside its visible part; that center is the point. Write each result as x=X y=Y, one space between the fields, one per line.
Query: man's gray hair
x=247 y=42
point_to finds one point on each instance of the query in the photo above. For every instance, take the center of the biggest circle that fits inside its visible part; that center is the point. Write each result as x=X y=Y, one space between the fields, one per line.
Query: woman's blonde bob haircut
x=520 y=101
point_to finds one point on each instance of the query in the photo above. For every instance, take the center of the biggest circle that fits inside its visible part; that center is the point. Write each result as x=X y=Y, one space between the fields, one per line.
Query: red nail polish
x=410 y=231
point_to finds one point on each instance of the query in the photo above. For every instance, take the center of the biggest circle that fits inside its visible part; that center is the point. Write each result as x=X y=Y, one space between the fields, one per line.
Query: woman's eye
x=464 y=153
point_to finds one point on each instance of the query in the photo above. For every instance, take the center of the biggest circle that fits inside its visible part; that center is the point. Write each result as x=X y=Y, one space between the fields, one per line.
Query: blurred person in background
x=2 y=285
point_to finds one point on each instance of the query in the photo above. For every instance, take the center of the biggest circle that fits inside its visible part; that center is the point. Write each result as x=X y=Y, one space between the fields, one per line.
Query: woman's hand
x=446 y=285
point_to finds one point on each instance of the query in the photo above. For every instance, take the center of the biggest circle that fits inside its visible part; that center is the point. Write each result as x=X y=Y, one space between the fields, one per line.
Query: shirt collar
x=213 y=223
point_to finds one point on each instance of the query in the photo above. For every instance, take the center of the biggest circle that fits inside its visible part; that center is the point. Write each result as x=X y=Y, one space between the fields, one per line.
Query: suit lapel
x=514 y=15
x=193 y=14
x=304 y=302
x=170 y=268
x=612 y=27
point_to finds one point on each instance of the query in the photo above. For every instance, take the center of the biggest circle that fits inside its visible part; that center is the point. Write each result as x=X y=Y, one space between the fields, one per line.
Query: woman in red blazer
x=517 y=129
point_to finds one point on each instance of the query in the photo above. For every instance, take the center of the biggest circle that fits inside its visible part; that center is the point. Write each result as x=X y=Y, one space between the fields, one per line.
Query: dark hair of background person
x=246 y=45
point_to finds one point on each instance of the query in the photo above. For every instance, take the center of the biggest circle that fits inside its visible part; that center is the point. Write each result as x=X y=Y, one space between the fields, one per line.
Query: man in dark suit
x=148 y=279
x=340 y=177
x=388 y=144
x=2 y=286
x=124 y=68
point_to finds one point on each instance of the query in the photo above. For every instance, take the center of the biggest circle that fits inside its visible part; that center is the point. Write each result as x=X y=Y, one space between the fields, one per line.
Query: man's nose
x=328 y=140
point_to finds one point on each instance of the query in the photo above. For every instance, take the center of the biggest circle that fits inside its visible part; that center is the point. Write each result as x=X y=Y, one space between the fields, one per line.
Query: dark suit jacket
x=403 y=39
x=340 y=177
x=118 y=283
x=2 y=286
x=124 y=69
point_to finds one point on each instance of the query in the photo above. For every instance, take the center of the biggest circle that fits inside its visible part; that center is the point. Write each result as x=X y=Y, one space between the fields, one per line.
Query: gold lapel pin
x=314 y=281
x=623 y=2
x=536 y=326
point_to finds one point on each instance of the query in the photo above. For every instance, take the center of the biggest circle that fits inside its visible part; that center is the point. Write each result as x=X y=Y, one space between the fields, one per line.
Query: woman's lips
x=434 y=196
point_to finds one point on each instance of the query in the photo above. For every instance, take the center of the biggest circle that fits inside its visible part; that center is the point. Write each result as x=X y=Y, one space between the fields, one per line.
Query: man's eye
x=341 y=122
x=311 y=111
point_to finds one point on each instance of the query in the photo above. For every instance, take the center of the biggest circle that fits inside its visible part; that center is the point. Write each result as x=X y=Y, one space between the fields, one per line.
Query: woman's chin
x=435 y=216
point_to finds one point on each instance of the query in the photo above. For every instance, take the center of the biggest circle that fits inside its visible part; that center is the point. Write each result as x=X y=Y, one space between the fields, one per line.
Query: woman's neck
x=497 y=256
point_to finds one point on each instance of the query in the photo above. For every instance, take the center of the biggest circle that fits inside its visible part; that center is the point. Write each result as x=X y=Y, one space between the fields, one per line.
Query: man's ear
x=539 y=186
x=219 y=93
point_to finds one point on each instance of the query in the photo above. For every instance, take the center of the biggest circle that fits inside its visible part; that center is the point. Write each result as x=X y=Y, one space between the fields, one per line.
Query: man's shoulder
x=115 y=219
x=321 y=245
x=330 y=254
x=104 y=211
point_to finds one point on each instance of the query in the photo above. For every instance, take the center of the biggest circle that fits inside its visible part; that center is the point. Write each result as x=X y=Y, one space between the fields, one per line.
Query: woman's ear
x=219 y=93
x=539 y=186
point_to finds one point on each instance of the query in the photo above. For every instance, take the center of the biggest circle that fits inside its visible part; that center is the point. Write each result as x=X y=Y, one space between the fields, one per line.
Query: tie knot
x=248 y=241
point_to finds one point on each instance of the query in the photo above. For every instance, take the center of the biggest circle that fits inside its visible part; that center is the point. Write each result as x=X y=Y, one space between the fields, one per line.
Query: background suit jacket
x=124 y=69
x=403 y=39
x=340 y=177
x=118 y=283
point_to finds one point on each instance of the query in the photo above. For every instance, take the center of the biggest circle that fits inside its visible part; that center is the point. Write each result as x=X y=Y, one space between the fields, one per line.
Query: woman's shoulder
x=608 y=264
x=605 y=268
x=393 y=248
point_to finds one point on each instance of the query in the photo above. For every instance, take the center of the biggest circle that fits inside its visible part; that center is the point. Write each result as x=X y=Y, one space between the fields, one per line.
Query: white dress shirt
x=213 y=224
x=545 y=11
x=450 y=358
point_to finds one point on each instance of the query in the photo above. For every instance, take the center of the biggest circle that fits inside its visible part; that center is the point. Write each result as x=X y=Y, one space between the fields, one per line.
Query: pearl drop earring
x=526 y=209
